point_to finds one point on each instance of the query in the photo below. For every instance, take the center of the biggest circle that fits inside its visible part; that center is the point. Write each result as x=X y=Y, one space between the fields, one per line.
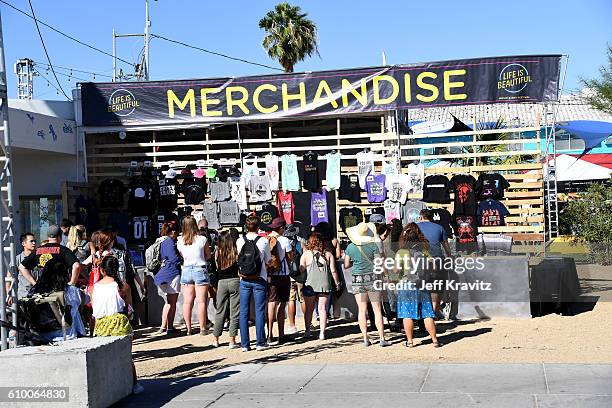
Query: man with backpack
x=253 y=258
x=279 y=283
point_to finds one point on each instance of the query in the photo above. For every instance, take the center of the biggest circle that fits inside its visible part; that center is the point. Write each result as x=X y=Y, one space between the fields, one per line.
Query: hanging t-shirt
x=389 y=167
x=266 y=214
x=238 y=192
x=411 y=211
x=219 y=190
x=140 y=229
x=289 y=173
x=229 y=214
x=332 y=171
x=272 y=170
x=260 y=188
x=492 y=213
x=318 y=207
x=141 y=198
x=392 y=211
x=369 y=211
x=466 y=232
x=375 y=187
x=167 y=190
x=158 y=222
x=398 y=186
x=194 y=190
x=442 y=217
x=416 y=172
x=183 y=212
x=491 y=185
x=349 y=188
x=249 y=168
x=436 y=189
x=465 y=196
x=285 y=206
x=211 y=212
x=310 y=165
x=365 y=165
x=111 y=193
x=349 y=217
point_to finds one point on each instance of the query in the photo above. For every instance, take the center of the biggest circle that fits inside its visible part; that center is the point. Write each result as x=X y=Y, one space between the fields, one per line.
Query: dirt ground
x=582 y=338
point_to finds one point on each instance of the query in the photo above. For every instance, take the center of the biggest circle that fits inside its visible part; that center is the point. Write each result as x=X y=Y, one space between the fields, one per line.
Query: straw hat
x=362 y=233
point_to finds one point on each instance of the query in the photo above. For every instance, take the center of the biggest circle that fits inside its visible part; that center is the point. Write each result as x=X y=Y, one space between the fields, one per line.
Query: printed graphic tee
x=111 y=193
x=318 y=207
x=285 y=206
x=491 y=185
x=443 y=218
x=398 y=186
x=194 y=190
x=466 y=232
x=392 y=211
x=411 y=211
x=219 y=190
x=141 y=198
x=349 y=188
x=211 y=212
x=492 y=213
x=368 y=212
x=349 y=217
x=290 y=178
x=416 y=172
x=267 y=213
x=365 y=165
x=140 y=229
x=159 y=220
x=436 y=189
x=389 y=167
x=249 y=168
x=272 y=170
x=375 y=188
x=310 y=163
x=332 y=172
x=238 y=192
x=229 y=214
x=465 y=196
x=167 y=192
x=260 y=188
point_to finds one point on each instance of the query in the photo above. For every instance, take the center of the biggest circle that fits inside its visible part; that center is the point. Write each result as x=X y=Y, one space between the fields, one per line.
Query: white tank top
x=193 y=255
x=106 y=300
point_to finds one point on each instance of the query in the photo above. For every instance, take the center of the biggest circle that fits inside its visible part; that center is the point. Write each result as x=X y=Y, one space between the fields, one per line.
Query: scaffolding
x=24 y=69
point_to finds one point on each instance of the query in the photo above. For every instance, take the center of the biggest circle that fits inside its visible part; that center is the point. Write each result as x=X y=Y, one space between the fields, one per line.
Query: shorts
x=171 y=288
x=364 y=283
x=295 y=292
x=194 y=275
x=279 y=288
x=370 y=295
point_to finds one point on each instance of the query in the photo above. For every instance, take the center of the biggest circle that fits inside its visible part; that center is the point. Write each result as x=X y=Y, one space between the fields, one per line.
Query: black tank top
x=228 y=273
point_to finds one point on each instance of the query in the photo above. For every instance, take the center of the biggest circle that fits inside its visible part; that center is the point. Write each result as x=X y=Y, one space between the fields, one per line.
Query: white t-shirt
x=365 y=165
x=193 y=255
x=272 y=170
x=284 y=246
x=264 y=251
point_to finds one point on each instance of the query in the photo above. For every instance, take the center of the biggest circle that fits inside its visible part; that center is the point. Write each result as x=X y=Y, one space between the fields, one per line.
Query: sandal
x=408 y=344
x=437 y=344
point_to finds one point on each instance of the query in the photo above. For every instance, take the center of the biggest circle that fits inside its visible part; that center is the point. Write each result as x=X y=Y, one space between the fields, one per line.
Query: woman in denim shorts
x=195 y=251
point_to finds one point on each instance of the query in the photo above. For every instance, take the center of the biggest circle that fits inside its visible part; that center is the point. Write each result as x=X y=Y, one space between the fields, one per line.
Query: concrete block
x=579 y=379
x=97 y=371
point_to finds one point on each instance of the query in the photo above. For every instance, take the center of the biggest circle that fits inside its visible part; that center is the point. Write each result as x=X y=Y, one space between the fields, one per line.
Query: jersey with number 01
x=140 y=229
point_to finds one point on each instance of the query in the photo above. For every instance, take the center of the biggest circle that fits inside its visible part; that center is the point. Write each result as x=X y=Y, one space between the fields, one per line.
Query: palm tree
x=290 y=36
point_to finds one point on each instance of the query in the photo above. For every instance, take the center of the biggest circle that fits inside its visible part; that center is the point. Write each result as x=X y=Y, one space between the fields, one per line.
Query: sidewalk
x=386 y=385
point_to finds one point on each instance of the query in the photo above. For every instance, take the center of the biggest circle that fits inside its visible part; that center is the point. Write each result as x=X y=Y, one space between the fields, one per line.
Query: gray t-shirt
x=411 y=211
x=211 y=212
x=23 y=286
x=260 y=188
x=219 y=190
x=229 y=213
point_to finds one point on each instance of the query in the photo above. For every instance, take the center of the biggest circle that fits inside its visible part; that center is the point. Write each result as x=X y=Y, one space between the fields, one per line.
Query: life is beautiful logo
x=513 y=78
x=122 y=102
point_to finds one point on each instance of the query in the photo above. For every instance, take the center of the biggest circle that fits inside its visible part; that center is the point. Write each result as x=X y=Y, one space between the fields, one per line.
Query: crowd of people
x=250 y=276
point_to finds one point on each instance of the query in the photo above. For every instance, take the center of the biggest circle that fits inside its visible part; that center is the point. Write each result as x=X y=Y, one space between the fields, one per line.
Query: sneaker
x=245 y=349
x=367 y=343
x=384 y=343
x=161 y=331
x=233 y=346
x=272 y=342
x=263 y=347
x=137 y=389
x=307 y=334
x=204 y=332
x=215 y=344
x=282 y=340
x=321 y=336
x=291 y=330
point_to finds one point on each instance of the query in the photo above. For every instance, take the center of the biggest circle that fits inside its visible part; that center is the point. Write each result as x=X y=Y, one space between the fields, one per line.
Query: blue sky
x=351 y=34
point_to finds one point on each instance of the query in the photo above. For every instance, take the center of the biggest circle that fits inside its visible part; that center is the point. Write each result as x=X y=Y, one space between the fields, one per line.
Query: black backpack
x=249 y=259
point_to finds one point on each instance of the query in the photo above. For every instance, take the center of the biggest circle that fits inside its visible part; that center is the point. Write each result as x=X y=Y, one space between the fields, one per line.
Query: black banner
x=530 y=78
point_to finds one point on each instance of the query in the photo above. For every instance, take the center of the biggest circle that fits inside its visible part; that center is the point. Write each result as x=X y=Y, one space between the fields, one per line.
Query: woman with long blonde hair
x=195 y=250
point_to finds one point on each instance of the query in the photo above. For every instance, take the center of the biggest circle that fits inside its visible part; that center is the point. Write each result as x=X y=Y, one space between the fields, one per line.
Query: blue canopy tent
x=591 y=131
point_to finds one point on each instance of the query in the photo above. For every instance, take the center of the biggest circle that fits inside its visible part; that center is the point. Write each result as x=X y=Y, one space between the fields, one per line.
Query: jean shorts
x=197 y=275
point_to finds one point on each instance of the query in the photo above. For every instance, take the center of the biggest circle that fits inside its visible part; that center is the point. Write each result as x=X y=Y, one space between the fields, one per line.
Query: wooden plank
x=470 y=143
x=471 y=154
x=506 y=167
x=387 y=136
x=517 y=194
x=528 y=237
x=513 y=228
x=527 y=249
x=537 y=174
x=525 y=219
x=526 y=185
x=538 y=201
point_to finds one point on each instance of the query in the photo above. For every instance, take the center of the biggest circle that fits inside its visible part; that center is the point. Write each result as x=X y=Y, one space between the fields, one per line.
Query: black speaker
x=554 y=286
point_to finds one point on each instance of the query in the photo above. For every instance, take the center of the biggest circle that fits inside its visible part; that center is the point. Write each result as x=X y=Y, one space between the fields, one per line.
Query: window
x=37 y=213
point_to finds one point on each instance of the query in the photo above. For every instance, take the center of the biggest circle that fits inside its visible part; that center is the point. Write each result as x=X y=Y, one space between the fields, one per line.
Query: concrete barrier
x=97 y=371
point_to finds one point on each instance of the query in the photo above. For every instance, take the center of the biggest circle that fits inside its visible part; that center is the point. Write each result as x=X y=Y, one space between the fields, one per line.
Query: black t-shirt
x=267 y=213
x=159 y=220
x=167 y=191
x=349 y=217
x=443 y=218
x=466 y=232
x=465 y=197
x=349 y=188
x=142 y=192
x=194 y=190
x=492 y=213
x=435 y=189
x=111 y=193
x=310 y=163
x=491 y=185
x=140 y=229
x=45 y=252
x=373 y=210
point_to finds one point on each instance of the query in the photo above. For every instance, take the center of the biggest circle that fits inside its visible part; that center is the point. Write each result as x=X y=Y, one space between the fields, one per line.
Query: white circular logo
x=122 y=102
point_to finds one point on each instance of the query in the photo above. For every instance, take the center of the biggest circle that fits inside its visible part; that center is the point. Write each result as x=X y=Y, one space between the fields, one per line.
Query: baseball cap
x=377 y=219
x=54 y=231
x=199 y=173
x=170 y=174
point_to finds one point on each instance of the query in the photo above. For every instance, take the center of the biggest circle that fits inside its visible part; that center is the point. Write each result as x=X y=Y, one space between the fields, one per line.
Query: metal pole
x=114 y=56
x=146 y=39
x=239 y=144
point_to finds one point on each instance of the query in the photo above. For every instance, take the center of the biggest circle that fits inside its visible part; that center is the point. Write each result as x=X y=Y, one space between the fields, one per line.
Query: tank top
x=106 y=300
x=228 y=273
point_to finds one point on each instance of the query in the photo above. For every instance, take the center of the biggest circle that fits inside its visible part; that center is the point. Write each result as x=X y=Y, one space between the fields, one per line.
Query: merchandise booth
x=332 y=146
